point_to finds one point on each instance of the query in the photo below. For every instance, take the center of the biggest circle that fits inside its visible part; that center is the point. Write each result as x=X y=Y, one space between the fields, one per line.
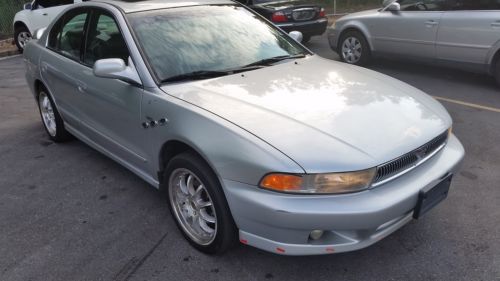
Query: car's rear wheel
x=306 y=39
x=52 y=121
x=354 y=49
x=21 y=36
x=198 y=204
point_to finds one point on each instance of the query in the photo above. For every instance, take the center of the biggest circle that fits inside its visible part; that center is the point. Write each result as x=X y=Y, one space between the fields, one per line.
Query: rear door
x=61 y=68
x=468 y=31
x=410 y=32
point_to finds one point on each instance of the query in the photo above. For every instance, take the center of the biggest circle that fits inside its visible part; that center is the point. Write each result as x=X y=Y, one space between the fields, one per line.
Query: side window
x=66 y=36
x=40 y=4
x=423 y=5
x=471 y=5
x=104 y=40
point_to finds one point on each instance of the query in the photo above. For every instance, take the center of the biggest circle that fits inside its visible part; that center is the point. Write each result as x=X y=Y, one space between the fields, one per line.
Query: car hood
x=358 y=15
x=327 y=116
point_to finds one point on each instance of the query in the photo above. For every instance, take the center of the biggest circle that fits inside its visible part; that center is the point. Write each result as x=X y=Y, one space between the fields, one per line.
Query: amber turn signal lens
x=282 y=182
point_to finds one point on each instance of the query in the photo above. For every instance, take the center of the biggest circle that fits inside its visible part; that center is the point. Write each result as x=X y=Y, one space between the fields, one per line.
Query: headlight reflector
x=331 y=183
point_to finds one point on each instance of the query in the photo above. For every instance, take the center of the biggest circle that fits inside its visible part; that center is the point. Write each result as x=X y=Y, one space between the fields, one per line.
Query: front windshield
x=207 y=38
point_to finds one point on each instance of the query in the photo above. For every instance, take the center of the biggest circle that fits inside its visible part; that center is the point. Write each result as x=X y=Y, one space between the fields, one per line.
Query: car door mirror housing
x=27 y=6
x=393 y=7
x=296 y=35
x=117 y=69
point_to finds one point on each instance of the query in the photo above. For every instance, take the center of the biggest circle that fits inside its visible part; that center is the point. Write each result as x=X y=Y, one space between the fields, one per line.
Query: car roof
x=132 y=6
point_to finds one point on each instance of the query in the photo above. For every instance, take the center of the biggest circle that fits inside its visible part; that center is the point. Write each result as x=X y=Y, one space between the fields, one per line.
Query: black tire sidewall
x=226 y=235
x=497 y=71
x=365 y=48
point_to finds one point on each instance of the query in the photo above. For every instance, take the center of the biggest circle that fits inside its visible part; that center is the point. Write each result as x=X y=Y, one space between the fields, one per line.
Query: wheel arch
x=174 y=147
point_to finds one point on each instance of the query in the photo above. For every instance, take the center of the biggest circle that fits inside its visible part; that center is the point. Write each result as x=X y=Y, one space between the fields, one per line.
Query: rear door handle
x=496 y=24
x=431 y=23
x=82 y=87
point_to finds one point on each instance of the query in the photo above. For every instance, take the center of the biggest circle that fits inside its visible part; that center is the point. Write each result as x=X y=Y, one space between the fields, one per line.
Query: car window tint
x=474 y=5
x=425 y=5
x=105 y=41
x=52 y=3
x=68 y=40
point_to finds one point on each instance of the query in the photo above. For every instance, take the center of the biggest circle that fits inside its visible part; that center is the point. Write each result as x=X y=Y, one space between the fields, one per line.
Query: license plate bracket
x=428 y=199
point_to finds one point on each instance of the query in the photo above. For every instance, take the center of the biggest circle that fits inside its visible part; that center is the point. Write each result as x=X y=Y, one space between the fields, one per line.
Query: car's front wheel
x=354 y=48
x=51 y=119
x=497 y=71
x=22 y=36
x=198 y=204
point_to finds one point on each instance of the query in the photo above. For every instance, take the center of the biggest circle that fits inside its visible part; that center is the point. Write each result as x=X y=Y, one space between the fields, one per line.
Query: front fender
x=233 y=153
x=355 y=25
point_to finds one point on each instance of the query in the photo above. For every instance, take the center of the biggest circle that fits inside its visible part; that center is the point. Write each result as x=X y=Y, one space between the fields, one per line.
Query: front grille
x=303 y=14
x=409 y=160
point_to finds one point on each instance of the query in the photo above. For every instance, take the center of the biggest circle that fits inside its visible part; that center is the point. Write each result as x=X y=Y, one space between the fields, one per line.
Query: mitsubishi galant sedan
x=250 y=136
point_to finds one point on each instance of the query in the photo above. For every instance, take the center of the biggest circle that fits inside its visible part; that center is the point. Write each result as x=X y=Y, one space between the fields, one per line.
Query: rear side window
x=471 y=5
x=66 y=36
x=104 y=40
x=51 y=3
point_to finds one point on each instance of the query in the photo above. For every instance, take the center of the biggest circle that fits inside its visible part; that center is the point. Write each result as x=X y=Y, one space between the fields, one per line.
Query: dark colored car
x=290 y=15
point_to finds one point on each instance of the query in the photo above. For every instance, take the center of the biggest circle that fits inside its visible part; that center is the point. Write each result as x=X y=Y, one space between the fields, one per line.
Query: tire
x=497 y=71
x=184 y=204
x=21 y=36
x=306 y=39
x=51 y=120
x=354 y=49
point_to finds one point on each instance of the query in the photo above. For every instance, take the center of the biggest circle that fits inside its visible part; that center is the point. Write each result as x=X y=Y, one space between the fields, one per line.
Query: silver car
x=250 y=136
x=463 y=34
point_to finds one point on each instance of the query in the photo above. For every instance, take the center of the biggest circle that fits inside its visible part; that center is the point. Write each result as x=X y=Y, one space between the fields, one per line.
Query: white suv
x=36 y=15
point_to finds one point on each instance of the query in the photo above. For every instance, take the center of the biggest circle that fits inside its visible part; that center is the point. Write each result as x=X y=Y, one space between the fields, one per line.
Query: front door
x=111 y=108
x=410 y=32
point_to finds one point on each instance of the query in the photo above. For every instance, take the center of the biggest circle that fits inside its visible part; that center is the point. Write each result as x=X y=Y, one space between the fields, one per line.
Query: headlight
x=332 y=183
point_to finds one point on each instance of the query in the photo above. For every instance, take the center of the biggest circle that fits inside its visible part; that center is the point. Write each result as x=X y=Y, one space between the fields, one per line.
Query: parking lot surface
x=69 y=213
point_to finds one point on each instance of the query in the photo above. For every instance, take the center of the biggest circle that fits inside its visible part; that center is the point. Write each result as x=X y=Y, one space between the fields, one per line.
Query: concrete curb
x=11 y=52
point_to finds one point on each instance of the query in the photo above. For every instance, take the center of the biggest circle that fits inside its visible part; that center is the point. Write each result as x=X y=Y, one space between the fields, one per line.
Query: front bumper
x=308 y=28
x=281 y=223
x=333 y=38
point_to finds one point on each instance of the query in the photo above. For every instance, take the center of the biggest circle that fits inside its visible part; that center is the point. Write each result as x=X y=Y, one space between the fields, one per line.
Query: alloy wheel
x=47 y=112
x=351 y=50
x=192 y=206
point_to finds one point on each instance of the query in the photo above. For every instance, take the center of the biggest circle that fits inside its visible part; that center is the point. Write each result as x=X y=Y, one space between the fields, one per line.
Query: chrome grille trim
x=404 y=164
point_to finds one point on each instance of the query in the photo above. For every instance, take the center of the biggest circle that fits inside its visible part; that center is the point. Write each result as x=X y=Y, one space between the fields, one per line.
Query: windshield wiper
x=205 y=74
x=195 y=75
x=268 y=61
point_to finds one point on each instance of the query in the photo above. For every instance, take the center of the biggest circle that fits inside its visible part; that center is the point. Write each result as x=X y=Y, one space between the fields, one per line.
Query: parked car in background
x=251 y=137
x=35 y=15
x=463 y=34
x=292 y=15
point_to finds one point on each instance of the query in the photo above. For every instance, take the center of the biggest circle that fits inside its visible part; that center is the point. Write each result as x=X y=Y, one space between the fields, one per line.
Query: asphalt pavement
x=69 y=213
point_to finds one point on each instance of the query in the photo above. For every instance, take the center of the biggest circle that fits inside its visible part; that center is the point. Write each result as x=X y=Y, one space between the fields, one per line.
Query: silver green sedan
x=250 y=136
x=463 y=34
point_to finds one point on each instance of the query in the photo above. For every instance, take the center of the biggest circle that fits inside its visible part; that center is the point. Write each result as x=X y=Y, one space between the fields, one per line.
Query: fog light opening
x=316 y=234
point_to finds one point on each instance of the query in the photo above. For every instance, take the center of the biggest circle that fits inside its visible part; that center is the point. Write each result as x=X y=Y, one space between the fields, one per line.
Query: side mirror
x=393 y=7
x=117 y=69
x=296 y=35
x=39 y=33
x=27 y=6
